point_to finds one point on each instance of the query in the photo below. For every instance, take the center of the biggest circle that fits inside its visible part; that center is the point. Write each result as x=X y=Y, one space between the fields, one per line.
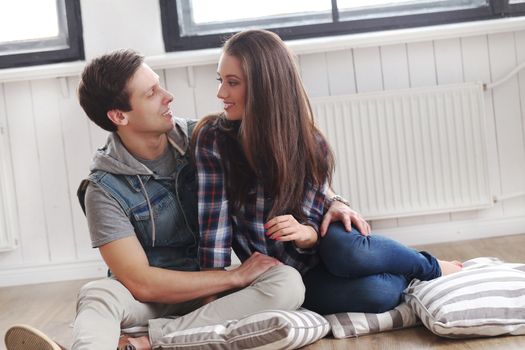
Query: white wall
x=51 y=141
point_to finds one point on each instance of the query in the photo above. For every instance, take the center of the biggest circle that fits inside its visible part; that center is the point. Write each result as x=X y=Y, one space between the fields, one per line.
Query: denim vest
x=174 y=210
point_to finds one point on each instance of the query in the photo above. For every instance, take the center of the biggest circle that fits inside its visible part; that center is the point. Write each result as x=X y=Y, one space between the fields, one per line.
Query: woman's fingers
x=278 y=223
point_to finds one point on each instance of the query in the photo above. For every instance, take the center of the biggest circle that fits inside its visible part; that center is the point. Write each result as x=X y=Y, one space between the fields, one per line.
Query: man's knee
x=285 y=286
x=106 y=295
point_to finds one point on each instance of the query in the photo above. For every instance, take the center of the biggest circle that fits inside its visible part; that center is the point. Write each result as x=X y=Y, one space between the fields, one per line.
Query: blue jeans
x=363 y=274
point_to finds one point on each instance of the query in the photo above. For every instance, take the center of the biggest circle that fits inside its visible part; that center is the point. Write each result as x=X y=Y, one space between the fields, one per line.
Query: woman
x=263 y=170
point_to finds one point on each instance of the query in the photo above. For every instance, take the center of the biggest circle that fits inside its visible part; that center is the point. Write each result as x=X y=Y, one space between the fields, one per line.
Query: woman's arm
x=214 y=220
x=304 y=235
x=342 y=211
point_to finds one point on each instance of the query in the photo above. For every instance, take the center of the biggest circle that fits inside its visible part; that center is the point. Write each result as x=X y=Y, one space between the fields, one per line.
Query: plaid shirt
x=221 y=229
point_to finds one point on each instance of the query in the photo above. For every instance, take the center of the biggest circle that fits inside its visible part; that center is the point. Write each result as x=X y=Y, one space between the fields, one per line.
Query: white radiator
x=8 y=215
x=409 y=152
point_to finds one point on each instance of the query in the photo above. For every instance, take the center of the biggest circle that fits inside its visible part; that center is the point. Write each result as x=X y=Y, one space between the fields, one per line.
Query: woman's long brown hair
x=277 y=134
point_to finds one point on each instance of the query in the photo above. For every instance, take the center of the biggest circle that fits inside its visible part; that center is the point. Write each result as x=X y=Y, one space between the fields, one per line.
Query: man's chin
x=169 y=128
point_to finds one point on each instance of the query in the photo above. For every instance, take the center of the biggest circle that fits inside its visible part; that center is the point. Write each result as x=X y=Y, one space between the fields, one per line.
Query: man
x=140 y=204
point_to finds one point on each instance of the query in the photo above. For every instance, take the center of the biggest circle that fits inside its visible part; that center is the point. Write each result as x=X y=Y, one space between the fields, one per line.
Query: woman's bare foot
x=449 y=267
x=129 y=343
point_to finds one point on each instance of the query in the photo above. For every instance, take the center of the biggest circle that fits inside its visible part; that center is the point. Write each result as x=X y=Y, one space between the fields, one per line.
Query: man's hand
x=253 y=267
x=341 y=212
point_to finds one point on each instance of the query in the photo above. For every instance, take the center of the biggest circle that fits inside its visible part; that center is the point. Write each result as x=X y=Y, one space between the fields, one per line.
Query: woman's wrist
x=310 y=240
x=329 y=200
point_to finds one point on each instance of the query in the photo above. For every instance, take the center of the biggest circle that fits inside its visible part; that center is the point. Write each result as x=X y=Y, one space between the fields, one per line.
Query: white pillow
x=353 y=324
x=264 y=330
x=486 y=298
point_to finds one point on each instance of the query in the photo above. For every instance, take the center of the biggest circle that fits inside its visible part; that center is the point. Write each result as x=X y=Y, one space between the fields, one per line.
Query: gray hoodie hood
x=114 y=157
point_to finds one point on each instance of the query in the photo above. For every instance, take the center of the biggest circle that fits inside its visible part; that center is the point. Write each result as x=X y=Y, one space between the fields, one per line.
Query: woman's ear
x=117 y=117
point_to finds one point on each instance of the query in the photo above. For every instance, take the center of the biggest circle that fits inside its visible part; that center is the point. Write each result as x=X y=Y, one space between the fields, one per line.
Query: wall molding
x=55 y=272
x=456 y=230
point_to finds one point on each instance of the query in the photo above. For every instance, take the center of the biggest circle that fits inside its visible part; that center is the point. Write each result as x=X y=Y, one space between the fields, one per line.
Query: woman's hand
x=286 y=228
x=341 y=212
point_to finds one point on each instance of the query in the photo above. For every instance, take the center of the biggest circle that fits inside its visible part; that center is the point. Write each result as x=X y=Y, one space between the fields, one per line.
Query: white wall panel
x=27 y=176
x=9 y=215
x=367 y=65
x=206 y=84
x=449 y=68
x=394 y=68
x=422 y=72
x=509 y=127
x=53 y=172
x=341 y=74
x=520 y=55
x=476 y=68
x=314 y=74
x=421 y=63
x=181 y=83
x=78 y=153
x=341 y=81
x=394 y=63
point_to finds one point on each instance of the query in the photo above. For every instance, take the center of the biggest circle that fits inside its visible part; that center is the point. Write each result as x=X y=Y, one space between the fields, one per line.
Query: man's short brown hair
x=103 y=85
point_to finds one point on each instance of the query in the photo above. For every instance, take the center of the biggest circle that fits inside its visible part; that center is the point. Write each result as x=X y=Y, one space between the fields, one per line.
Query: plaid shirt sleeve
x=313 y=206
x=214 y=219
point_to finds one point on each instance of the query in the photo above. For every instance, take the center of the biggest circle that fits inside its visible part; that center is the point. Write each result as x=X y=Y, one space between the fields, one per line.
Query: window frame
x=33 y=56
x=174 y=41
x=514 y=9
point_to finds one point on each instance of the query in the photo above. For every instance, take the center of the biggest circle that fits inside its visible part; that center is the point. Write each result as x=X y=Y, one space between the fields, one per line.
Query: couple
x=253 y=179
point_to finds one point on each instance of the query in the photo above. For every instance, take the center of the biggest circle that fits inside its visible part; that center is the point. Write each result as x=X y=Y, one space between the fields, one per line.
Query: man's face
x=150 y=103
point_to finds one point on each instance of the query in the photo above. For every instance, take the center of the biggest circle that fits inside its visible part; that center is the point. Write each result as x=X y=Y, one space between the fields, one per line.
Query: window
x=194 y=24
x=40 y=31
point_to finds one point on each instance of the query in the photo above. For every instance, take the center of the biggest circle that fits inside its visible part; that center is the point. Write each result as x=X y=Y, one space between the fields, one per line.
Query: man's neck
x=147 y=147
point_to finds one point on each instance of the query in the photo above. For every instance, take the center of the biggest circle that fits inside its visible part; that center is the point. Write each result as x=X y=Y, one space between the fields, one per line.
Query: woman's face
x=232 y=86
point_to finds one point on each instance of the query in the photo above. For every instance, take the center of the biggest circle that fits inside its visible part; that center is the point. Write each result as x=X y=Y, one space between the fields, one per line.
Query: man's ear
x=117 y=117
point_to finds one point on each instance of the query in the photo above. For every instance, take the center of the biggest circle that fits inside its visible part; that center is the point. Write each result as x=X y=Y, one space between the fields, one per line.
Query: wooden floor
x=51 y=307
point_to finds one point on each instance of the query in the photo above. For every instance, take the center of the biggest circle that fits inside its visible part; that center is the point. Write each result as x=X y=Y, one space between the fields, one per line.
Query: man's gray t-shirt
x=107 y=221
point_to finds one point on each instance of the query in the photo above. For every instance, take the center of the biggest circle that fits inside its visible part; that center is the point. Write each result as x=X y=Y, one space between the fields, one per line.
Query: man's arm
x=127 y=260
x=112 y=232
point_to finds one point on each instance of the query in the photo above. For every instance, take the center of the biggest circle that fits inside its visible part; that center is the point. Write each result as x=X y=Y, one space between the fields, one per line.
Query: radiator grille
x=409 y=152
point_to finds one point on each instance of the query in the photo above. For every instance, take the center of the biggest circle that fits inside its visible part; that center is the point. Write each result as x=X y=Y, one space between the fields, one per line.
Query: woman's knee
x=344 y=253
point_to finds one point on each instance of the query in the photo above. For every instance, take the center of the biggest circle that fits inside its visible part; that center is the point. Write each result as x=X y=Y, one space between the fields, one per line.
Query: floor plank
x=51 y=307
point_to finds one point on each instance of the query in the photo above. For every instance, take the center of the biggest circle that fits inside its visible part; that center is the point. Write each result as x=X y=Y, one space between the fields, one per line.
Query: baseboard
x=455 y=230
x=410 y=235
x=55 y=272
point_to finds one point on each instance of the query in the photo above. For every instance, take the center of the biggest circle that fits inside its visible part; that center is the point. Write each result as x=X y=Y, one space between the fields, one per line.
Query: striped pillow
x=264 y=330
x=486 y=298
x=353 y=324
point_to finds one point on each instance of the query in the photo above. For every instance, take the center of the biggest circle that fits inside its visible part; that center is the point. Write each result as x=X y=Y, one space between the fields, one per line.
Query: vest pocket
x=168 y=219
